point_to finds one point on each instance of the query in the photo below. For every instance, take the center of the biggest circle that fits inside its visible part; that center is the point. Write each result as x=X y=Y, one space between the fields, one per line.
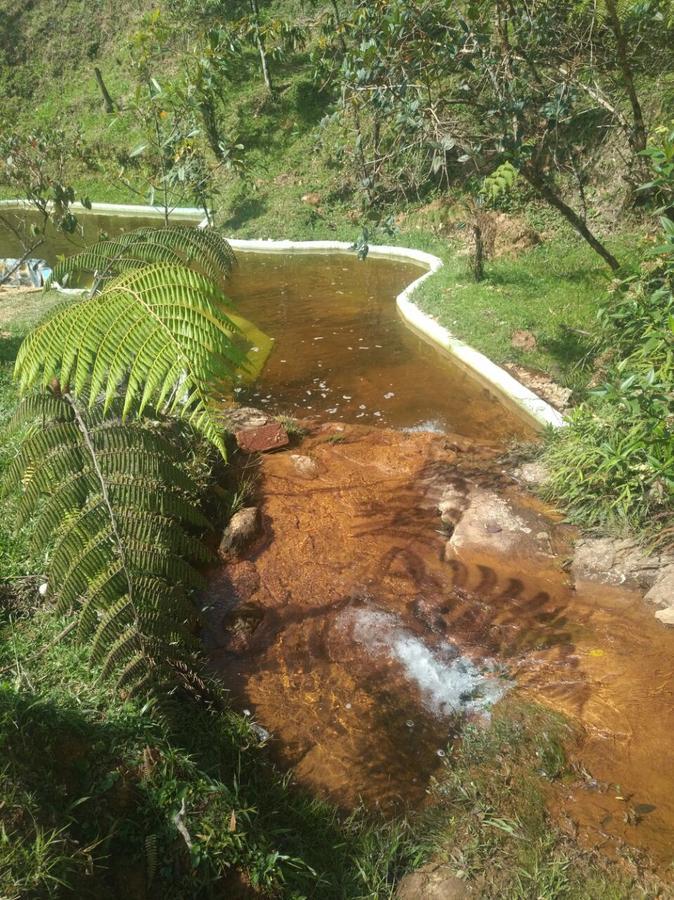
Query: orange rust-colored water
x=342 y=351
x=363 y=534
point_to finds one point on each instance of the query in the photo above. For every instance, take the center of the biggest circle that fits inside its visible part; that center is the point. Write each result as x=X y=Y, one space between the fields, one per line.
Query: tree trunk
x=548 y=193
x=107 y=99
x=478 y=252
x=639 y=135
x=209 y=116
x=260 y=46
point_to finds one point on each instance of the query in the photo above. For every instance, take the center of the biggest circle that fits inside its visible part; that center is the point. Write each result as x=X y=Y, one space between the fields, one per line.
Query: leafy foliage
x=116 y=519
x=159 y=333
x=501 y=180
x=200 y=249
x=615 y=462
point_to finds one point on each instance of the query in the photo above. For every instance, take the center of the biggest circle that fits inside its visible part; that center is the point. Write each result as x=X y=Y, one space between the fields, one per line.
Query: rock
x=433 y=882
x=246 y=417
x=541 y=384
x=496 y=535
x=451 y=505
x=305 y=466
x=666 y=616
x=523 y=340
x=532 y=474
x=242 y=528
x=662 y=592
x=263 y=438
x=615 y=561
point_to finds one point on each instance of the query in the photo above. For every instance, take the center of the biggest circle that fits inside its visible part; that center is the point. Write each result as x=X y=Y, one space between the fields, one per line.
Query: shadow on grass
x=9 y=347
x=247 y=209
x=570 y=347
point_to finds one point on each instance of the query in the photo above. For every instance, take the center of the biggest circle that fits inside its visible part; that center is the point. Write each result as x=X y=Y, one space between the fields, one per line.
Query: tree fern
x=202 y=250
x=118 y=519
x=160 y=333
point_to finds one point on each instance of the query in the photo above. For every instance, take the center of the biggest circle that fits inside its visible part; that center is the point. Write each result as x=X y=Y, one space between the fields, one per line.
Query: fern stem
x=88 y=443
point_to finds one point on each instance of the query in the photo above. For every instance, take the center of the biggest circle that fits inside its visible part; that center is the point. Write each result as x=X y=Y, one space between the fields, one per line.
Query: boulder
x=662 y=592
x=498 y=543
x=666 y=616
x=246 y=417
x=615 y=561
x=242 y=528
x=433 y=882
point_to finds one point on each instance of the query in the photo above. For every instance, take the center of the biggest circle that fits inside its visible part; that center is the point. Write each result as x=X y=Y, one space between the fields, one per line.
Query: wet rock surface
x=619 y=561
x=262 y=439
x=662 y=592
x=342 y=630
x=305 y=466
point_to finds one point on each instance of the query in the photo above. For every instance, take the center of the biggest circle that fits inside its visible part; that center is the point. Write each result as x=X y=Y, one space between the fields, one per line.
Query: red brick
x=266 y=437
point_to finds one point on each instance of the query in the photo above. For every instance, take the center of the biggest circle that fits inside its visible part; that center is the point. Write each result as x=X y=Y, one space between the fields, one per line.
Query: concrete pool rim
x=529 y=406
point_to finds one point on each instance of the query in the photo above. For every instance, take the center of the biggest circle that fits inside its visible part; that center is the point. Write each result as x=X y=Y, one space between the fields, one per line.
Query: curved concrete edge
x=122 y=209
x=510 y=391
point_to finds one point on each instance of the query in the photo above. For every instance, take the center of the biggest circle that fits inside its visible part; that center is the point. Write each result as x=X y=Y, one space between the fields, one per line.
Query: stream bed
x=361 y=634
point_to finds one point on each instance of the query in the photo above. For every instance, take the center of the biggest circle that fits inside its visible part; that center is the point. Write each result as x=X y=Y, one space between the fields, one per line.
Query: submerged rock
x=489 y=525
x=616 y=561
x=242 y=528
x=305 y=466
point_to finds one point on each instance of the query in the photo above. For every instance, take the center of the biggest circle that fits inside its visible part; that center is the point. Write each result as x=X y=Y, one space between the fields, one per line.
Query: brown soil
x=365 y=534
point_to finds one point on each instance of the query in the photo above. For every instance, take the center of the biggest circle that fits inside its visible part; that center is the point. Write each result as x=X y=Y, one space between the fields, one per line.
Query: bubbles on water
x=449 y=682
x=389 y=395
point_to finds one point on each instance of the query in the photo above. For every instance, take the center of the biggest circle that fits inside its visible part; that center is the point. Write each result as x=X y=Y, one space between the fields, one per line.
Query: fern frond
x=158 y=333
x=116 y=510
x=201 y=250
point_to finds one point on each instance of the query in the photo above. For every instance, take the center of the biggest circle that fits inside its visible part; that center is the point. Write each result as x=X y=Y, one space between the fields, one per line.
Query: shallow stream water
x=354 y=638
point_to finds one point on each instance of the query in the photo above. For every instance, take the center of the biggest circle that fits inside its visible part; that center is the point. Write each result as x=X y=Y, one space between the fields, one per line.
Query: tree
x=173 y=160
x=477 y=84
x=37 y=167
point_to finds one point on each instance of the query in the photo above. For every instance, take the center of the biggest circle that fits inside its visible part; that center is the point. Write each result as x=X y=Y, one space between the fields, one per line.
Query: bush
x=614 y=464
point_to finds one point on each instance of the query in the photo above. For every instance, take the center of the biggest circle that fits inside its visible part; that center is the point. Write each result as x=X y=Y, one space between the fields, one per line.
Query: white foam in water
x=432 y=425
x=449 y=683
